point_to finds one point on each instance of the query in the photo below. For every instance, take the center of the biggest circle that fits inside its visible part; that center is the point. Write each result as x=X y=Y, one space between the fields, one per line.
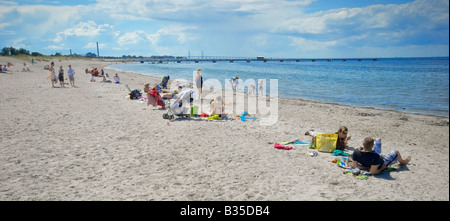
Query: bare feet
x=402 y=161
x=405 y=161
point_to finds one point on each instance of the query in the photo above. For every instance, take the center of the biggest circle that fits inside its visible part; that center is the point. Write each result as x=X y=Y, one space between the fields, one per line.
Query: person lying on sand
x=371 y=159
x=216 y=107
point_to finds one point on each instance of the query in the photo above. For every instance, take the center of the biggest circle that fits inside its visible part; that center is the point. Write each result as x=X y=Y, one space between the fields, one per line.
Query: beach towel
x=282 y=147
x=151 y=100
x=155 y=99
x=296 y=142
x=355 y=172
x=339 y=152
x=363 y=174
x=214 y=117
x=243 y=118
x=359 y=176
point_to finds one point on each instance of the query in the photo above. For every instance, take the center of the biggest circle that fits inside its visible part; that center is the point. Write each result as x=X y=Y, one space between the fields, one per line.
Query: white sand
x=90 y=143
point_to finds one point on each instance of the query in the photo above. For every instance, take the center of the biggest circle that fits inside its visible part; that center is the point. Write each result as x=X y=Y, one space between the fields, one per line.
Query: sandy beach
x=90 y=143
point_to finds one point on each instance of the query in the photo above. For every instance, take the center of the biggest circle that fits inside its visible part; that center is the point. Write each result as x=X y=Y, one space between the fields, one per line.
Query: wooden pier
x=248 y=60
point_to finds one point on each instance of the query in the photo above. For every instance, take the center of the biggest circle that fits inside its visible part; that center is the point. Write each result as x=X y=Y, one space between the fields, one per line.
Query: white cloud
x=3 y=25
x=405 y=24
x=131 y=38
x=180 y=32
x=8 y=3
x=86 y=29
x=55 y=47
x=190 y=10
x=37 y=20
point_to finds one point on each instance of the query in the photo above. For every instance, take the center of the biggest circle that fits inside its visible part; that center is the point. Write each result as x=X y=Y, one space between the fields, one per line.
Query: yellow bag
x=326 y=142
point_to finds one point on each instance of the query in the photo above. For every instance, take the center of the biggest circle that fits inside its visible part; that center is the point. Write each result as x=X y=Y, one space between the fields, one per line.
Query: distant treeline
x=7 y=51
x=14 y=51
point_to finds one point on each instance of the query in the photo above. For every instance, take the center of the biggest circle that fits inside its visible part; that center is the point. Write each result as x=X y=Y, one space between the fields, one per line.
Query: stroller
x=180 y=104
x=164 y=81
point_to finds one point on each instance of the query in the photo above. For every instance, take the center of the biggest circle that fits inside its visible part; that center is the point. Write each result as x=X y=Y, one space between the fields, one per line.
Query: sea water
x=416 y=85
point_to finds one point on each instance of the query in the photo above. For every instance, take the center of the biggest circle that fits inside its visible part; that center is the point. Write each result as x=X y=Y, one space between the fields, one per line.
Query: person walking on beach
x=199 y=81
x=61 y=76
x=260 y=87
x=370 y=157
x=71 y=72
x=236 y=82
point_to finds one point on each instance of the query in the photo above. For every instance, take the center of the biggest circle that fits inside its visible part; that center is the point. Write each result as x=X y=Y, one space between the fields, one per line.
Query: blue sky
x=281 y=28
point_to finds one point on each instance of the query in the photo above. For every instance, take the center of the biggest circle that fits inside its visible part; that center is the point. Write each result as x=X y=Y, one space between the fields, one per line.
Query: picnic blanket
x=297 y=142
x=291 y=144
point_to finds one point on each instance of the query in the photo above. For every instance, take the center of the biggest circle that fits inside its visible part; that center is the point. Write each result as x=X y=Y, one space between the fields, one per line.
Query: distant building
x=260 y=58
x=91 y=55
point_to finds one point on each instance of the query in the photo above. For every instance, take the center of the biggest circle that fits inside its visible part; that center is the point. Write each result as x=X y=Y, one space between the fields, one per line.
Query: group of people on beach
x=3 y=68
x=54 y=78
x=155 y=97
x=369 y=156
x=95 y=73
x=234 y=81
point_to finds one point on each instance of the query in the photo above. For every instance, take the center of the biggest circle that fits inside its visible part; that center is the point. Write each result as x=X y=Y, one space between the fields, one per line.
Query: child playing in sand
x=371 y=159
x=117 y=79
x=216 y=107
x=92 y=78
x=105 y=80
